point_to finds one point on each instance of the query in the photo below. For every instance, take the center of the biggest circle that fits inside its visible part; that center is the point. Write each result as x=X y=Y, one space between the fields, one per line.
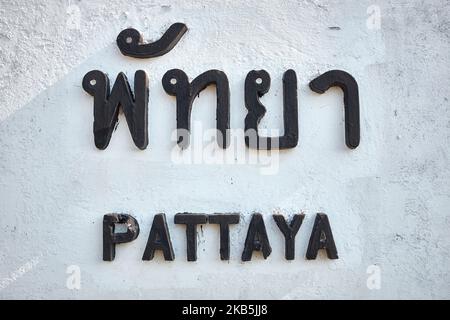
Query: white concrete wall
x=387 y=201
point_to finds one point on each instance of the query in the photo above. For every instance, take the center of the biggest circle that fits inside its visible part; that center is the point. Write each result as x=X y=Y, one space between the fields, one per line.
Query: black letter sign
x=131 y=44
x=289 y=232
x=321 y=238
x=224 y=220
x=256 y=238
x=159 y=239
x=191 y=220
x=176 y=83
x=110 y=238
x=349 y=85
x=253 y=91
x=106 y=106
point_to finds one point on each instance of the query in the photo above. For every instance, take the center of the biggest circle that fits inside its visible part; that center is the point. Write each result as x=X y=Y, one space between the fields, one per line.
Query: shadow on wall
x=49 y=164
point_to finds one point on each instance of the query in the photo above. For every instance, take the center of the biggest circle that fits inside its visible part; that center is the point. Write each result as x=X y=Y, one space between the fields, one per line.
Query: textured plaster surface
x=388 y=201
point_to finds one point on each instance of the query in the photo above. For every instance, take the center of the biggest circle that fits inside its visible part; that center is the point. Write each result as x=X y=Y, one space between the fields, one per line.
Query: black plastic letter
x=253 y=91
x=159 y=239
x=110 y=238
x=349 y=86
x=289 y=232
x=131 y=44
x=176 y=83
x=256 y=238
x=106 y=106
x=321 y=238
x=191 y=220
x=224 y=220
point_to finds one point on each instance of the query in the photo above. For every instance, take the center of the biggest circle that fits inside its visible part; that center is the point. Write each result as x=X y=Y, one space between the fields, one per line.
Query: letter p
x=110 y=237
